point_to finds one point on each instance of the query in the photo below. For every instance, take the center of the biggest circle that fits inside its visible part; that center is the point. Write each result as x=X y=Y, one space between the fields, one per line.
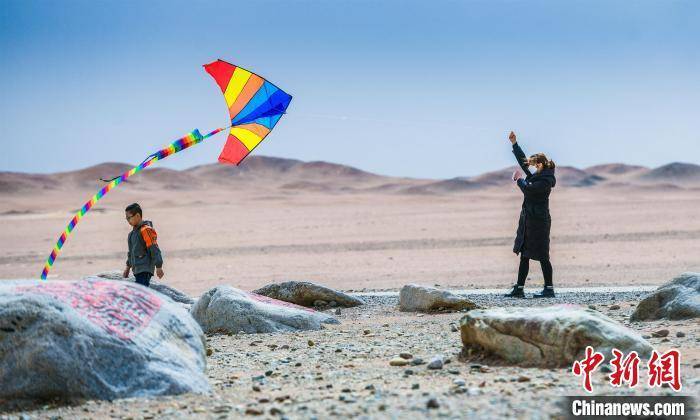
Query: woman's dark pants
x=525 y=268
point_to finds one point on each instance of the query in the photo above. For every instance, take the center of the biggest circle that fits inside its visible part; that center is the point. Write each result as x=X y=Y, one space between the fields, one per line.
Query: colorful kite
x=255 y=106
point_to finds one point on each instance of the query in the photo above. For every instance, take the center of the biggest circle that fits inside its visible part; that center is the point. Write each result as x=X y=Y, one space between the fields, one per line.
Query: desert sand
x=277 y=219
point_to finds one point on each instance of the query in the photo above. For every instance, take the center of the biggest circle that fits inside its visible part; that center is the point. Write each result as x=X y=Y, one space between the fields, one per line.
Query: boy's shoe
x=517 y=292
x=547 y=292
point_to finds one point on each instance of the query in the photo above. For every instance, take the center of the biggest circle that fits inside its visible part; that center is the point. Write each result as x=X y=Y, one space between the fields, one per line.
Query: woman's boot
x=547 y=292
x=517 y=292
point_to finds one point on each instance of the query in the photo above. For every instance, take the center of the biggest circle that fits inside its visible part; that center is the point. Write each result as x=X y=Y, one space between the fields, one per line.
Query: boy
x=144 y=254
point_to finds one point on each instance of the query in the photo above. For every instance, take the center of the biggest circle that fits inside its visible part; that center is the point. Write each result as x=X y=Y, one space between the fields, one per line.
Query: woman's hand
x=512 y=138
x=517 y=175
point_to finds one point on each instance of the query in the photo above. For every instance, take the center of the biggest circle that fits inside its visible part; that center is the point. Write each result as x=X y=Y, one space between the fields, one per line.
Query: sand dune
x=681 y=174
x=295 y=175
x=610 y=169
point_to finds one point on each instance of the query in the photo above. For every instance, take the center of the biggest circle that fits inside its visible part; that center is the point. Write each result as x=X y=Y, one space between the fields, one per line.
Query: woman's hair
x=542 y=158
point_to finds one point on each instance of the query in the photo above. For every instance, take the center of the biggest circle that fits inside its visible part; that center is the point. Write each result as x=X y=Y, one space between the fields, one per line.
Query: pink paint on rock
x=121 y=309
x=271 y=301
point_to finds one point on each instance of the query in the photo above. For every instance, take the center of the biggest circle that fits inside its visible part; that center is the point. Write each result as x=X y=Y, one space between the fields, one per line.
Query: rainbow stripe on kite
x=255 y=106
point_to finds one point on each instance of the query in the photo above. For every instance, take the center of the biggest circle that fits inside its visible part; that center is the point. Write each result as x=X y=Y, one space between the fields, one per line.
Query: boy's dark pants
x=143 y=279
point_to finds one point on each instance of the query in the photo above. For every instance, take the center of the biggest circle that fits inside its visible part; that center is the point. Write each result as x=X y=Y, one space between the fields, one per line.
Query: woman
x=532 y=239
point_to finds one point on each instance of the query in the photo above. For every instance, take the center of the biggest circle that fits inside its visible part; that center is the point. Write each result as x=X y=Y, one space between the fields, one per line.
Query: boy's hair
x=134 y=209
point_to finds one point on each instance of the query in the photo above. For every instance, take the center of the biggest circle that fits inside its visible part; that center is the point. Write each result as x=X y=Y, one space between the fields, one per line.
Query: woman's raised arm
x=519 y=154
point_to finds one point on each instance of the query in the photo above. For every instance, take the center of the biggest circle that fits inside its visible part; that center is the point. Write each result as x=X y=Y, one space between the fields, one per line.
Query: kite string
x=191 y=139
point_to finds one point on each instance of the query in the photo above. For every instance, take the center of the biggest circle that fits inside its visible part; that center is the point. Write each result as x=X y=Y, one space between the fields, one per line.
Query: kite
x=255 y=106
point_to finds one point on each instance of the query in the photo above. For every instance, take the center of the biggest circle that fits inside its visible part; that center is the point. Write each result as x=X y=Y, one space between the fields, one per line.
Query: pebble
x=614 y=307
x=453 y=328
x=459 y=382
x=417 y=361
x=523 y=378
x=253 y=411
x=405 y=355
x=436 y=363
x=680 y=334
x=337 y=311
x=311 y=343
x=660 y=333
x=398 y=361
x=432 y=403
x=209 y=352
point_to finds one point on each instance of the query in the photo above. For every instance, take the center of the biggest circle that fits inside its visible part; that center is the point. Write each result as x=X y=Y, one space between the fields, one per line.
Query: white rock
x=677 y=299
x=305 y=293
x=415 y=298
x=230 y=310
x=98 y=339
x=552 y=336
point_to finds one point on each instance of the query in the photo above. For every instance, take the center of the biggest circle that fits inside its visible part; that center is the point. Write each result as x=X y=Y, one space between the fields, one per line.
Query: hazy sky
x=424 y=89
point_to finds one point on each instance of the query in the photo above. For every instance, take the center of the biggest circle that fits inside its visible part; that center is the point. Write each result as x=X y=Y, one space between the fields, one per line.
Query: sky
x=425 y=89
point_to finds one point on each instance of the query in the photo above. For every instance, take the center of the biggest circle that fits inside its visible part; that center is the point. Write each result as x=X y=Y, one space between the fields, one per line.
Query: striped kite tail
x=183 y=143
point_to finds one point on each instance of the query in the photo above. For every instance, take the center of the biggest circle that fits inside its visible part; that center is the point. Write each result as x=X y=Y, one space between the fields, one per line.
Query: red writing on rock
x=121 y=309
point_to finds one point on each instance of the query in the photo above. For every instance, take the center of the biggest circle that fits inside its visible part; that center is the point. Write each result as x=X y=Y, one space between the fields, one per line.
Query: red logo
x=626 y=370
x=665 y=369
x=588 y=365
x=662 y=368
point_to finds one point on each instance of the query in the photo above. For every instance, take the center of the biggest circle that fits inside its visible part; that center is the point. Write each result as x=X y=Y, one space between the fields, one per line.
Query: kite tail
x=180 y=144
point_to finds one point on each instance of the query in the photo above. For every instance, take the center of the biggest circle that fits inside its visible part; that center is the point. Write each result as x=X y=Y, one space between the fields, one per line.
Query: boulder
x=552 y=336
x=97 y=339
x=159 y=287
x=305 y=293
x=415 y=298
x=229 y=310
x=677 y=299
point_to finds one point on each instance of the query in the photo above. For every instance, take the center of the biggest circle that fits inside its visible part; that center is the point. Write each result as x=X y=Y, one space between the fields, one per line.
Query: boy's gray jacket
x=144 y=254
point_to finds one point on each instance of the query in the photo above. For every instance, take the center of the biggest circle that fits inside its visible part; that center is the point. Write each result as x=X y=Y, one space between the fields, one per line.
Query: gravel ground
x=343 y=370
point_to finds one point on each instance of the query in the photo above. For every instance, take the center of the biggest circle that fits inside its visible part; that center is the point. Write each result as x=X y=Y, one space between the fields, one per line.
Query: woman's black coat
x=532 y=238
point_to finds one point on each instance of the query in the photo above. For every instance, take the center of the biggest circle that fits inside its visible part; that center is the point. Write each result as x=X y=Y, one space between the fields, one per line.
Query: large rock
x=552 y=336
x=229 y=310
x=305 y=293
x=159 y=287
x=677 y=299
x=415 y=298
x=96 y=339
